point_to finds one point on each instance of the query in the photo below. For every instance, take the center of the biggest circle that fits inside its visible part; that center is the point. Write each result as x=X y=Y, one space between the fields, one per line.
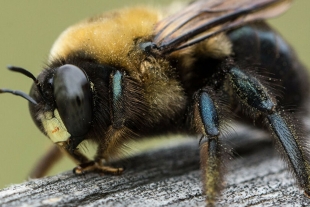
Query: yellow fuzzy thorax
x=110 y=37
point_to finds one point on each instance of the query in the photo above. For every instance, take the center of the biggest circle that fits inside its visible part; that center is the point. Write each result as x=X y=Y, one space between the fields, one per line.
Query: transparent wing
x=204 y=18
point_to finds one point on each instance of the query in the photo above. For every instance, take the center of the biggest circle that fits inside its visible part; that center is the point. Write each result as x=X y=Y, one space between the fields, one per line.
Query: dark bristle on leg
x=255 y=97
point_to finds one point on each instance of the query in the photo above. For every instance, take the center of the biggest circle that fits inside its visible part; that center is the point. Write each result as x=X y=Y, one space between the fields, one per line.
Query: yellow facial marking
x=54 y=127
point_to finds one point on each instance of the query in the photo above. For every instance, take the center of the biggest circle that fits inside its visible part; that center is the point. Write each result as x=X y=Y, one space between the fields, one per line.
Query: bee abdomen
x=258 y=45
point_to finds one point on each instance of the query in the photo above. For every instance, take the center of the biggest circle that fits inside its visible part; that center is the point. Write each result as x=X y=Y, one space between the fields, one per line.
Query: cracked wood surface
x=170 y=176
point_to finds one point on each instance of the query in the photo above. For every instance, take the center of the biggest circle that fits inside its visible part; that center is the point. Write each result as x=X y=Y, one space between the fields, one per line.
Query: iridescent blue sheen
x=117 y=86
x=208 y=114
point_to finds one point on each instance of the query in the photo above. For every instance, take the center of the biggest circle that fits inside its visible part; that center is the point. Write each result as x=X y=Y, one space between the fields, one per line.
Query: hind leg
x=258 y=101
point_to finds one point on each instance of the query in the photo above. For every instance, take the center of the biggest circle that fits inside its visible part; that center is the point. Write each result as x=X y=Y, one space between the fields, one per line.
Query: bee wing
x=204 y=18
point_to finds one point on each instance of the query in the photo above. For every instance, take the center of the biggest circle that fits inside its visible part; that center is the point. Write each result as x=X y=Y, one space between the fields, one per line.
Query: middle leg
x=206 y=121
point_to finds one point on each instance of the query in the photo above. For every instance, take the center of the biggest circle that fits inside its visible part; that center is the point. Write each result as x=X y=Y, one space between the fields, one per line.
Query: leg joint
x=250 y=91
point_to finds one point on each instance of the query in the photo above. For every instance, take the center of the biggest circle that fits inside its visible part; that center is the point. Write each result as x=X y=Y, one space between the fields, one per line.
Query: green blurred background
x=28 y=30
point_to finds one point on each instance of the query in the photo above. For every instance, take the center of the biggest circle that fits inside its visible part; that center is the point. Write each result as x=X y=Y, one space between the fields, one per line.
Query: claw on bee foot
x=94 y=166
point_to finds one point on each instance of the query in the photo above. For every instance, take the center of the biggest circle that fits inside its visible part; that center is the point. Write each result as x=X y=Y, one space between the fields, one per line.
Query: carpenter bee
x=135 y=73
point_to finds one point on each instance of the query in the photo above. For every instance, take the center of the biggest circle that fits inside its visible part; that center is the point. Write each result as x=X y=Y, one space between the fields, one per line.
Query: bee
x=136 y=73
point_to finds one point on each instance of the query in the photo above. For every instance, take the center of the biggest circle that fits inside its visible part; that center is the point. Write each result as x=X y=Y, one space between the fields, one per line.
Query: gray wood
x=170 y=177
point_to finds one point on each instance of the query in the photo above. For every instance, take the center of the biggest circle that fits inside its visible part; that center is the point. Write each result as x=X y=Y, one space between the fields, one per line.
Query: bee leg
x=118 y=109
x=85 y=165
x=205 y=121
x=255 y=97
x=46 y=162
x=97 y=166
x=100 y=162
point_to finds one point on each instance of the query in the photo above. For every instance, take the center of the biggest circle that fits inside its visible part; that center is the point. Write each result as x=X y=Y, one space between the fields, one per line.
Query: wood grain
x=170 y=176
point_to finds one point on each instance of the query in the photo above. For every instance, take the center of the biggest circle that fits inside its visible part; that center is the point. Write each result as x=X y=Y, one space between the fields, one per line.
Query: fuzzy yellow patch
x=217 y=47
x=110 y=37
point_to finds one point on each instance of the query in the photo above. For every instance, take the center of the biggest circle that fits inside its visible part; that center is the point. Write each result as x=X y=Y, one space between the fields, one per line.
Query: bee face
x=49 y=109
x=27 y=42
x=64 y=106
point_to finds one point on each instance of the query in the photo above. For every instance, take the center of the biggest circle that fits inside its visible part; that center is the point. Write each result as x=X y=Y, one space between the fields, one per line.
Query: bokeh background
x=28 y=30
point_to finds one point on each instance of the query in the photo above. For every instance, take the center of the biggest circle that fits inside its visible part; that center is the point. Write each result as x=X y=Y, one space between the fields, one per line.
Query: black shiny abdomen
x=258 y=46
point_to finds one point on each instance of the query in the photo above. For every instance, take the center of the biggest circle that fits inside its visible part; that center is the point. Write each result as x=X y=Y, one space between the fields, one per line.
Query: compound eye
x=73 y=99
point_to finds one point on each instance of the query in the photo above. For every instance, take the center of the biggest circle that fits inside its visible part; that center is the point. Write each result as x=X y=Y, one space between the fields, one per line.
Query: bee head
x=61 y=106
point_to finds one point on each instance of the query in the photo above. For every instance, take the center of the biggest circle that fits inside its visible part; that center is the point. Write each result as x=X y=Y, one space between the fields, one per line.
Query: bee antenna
x=22 y=71
x=19 y=93
x=30 y=75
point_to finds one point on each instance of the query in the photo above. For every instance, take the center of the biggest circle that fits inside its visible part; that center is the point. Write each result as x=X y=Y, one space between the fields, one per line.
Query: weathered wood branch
x=169 y=177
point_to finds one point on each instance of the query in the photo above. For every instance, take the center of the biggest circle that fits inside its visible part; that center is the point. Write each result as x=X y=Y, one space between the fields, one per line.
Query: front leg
x=86 y=165
x=109 y=142
x=97 y=166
